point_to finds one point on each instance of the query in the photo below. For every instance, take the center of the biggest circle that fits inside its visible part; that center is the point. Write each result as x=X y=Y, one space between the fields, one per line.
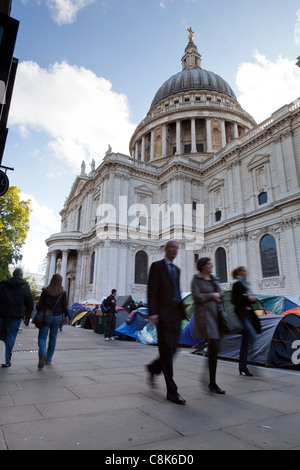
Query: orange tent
x=295 y=310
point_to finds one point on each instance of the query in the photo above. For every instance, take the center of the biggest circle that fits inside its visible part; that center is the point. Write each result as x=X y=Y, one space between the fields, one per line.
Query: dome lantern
x=191 y=58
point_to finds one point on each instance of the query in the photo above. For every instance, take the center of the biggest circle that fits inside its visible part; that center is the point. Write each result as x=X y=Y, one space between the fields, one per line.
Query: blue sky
x=89 y=69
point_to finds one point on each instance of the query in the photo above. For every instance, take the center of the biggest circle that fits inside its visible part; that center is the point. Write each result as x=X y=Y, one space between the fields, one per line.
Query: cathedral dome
x=192 y=79
x=195 y=113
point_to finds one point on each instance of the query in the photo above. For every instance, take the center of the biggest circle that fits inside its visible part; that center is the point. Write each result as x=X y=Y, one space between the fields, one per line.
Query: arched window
x=92 y=267
x=141 y=267
x=221 y=264
x=268 y=254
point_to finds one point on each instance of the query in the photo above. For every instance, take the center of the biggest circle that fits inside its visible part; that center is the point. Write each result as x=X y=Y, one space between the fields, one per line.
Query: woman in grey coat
x=207 y=296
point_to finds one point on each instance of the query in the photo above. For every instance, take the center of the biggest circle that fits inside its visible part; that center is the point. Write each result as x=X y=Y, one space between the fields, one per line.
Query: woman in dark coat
x=54 y=298
x=207 y=296
x=242 y=298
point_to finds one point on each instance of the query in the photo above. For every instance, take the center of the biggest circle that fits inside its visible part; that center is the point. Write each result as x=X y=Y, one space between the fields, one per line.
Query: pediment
x=216 y=183
x=143 y=190
x=77 y=187
x=258 y=159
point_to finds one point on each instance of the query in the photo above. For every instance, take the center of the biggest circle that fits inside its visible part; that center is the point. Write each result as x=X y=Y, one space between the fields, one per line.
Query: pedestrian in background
x=242 y=298
x=54 y=298
x=110 y=325
x=207 y=296
x=16 y=304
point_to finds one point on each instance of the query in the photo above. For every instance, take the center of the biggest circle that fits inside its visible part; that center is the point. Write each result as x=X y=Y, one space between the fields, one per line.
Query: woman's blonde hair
x=236 y=271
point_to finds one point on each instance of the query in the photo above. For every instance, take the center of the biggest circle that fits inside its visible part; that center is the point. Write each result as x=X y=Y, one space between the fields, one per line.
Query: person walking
x=16 y=304
x=53 y=297
x=110 y=325
x=207 y=297
x=166 y=311
x=242 y=298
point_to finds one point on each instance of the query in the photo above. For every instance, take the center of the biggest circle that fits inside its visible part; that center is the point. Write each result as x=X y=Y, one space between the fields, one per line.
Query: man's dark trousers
x=168 y=334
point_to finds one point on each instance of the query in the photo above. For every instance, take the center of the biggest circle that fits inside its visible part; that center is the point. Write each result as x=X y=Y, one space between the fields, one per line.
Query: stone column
x=136 y=153
x=208 y=136
x=235 y=130
x=152 y=145
x=64 y=263
x=47 y=270
x=77 y=288
x=290 y=159
x=178 y=137
x=193 y=135
x=143 y=149
x=223 y=133
x=164 y=141
x=52 y=269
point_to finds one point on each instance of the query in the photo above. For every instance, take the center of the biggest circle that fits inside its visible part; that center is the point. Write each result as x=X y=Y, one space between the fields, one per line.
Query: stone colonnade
x=144 y=147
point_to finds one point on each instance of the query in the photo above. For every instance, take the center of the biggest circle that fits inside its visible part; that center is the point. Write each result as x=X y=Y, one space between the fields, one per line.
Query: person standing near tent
x=242 y=297
x=54 y=298
x=166 y=311
x=110 y=325
x=207 y=296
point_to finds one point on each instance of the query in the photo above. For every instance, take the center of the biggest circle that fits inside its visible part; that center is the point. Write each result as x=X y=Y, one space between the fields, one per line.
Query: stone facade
x=195 y=147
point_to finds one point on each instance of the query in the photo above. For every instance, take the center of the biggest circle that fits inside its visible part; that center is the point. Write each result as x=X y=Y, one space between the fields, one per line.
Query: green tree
x=35 y=291
x=14 y=225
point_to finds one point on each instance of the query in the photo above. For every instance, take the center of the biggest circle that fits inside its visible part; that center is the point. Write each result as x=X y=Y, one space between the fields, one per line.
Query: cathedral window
x=218 y=216
x=262 y=198
x=268 y=253
x=141 y=267
x=221 y=264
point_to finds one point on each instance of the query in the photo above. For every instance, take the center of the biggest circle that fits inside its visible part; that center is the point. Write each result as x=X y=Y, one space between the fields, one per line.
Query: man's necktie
x=174 y=279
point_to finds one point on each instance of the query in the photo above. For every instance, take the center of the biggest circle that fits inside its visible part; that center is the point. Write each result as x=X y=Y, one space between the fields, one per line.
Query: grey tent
x=273 y=347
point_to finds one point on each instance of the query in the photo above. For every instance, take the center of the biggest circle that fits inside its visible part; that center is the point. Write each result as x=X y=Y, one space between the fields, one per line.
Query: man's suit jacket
x=161 y=293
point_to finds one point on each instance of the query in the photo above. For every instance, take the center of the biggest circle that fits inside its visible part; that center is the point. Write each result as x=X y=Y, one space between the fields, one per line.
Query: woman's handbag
x=229 y=322
x=44 y=317
x=255 y=322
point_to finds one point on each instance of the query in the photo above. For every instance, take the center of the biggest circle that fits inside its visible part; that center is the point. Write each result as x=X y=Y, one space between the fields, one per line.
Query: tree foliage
x=14 y=225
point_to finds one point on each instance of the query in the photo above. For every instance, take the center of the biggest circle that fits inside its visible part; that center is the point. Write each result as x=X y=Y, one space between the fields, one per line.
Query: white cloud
x=64 y=11
x=266 y=85
x=78 y=111
x=43 y=221
x=297 y=29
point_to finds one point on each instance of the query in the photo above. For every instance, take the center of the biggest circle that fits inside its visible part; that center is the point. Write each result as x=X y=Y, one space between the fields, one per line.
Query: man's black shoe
x=176 y=399
x=6 y=365
x=151 y=381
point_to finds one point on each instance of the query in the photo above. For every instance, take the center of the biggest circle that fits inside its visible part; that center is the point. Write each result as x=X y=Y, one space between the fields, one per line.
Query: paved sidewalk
x=95 y=396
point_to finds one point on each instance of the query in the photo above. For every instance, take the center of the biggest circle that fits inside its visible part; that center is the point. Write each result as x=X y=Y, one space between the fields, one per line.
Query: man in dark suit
x=166 y=312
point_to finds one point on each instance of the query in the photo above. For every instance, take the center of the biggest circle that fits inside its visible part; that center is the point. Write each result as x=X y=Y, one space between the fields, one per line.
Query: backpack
x=104 y=307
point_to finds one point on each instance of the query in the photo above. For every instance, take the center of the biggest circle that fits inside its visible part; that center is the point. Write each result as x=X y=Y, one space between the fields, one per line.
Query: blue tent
x=276 y=304
x=131 y=327
x=187 y=338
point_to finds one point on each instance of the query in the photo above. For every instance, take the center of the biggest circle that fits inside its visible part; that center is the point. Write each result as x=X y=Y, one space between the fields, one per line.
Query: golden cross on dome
x=191 y=35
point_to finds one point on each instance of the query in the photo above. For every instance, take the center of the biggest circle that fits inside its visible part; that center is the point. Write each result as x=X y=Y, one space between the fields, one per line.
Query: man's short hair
x=18 y=272
x=113 y=291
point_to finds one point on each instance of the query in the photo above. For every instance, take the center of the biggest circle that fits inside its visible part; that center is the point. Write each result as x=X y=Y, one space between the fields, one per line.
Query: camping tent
x=123 y=301
x=133 y=325
x=273 y=347
x=276 y=304
x=121 y=317
x=295 y=310
x=187 y=338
